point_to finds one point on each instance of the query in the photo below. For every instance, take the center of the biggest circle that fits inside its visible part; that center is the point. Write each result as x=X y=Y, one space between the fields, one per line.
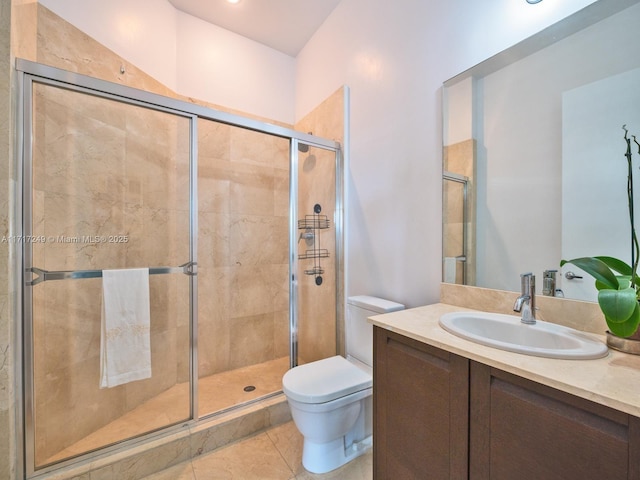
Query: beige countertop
x=613 y=380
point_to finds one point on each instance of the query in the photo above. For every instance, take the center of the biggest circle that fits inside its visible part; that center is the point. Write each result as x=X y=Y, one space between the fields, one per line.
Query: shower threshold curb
x=152 y=455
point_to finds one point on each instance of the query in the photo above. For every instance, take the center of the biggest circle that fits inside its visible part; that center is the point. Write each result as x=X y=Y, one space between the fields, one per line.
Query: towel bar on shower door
x=189 y=268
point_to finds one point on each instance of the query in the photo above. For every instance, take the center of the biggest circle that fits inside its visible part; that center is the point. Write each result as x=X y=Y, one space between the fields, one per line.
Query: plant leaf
x=624 y=281
x=618 y=305
x=597 y=269
x=627 y=328
x=616 y=265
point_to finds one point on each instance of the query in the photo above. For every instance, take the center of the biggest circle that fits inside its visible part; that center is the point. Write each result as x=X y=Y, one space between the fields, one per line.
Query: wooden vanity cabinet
x=523 y=430
x=420 y=408
x=440 y=416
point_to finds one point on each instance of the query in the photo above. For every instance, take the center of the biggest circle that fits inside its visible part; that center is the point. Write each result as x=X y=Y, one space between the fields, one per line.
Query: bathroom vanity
x=445 y=408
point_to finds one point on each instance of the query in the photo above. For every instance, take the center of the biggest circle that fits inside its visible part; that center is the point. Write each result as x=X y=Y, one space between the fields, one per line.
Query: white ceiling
x=285 y=25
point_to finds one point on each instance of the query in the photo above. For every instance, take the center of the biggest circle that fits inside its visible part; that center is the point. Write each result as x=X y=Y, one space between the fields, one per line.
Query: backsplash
x=584 y=316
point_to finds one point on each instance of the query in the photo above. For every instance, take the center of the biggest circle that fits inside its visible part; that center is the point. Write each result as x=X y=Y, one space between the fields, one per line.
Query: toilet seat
x=325 y=380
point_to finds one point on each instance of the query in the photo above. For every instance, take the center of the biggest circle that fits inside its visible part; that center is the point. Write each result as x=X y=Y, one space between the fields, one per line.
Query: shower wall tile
x=256 y=148
x=163 y=355
x=7 y=466
x=213 y=240
x=280 y=287
x=70 y=390
x=8 y=393
x=183 y=346
x=281 y=199
x=162 y=299
x=317 y=325
x=24 y=28
x=320 y=333
x=71 y=150
x=214 y=140
x=258 y=240
x=252 y=294
x=70 y=328
x=154 y=239
x=327 y=119
x=213 y=186
x=214 y=296
x=241 y=245
x=213 y=347
x=251 y=190
x=278 y=248
x=281 y=333
x=251 y=340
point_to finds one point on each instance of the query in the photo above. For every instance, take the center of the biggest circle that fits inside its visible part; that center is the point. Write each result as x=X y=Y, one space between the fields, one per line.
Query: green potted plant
x=616 y=281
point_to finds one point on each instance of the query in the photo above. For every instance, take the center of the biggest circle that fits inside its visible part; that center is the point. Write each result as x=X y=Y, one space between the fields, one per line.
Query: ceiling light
x=238 y=1
x=533 y=1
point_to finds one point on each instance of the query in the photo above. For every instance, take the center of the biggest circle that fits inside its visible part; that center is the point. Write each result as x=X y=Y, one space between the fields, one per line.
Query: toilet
x=330 y=399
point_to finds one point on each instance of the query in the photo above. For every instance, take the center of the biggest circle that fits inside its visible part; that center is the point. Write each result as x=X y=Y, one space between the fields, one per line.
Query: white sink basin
x=506 y=332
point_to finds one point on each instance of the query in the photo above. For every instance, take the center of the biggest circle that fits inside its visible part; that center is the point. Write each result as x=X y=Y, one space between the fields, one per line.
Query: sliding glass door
x=107 y=187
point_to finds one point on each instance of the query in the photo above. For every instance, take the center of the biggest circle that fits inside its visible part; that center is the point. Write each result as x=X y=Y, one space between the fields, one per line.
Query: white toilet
x=330 y=399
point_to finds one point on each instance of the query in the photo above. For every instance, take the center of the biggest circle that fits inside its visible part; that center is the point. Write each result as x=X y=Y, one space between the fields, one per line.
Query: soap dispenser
x=549 y=283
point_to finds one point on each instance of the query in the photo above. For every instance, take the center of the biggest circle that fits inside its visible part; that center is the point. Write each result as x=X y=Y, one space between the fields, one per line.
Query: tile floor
x=274 y=454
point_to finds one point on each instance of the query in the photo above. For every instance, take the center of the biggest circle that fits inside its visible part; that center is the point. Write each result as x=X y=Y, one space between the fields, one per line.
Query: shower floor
x=215 y=393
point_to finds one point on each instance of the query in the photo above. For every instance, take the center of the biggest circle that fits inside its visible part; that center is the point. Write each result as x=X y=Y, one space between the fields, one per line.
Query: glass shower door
x=106 y=187
x=316 y=326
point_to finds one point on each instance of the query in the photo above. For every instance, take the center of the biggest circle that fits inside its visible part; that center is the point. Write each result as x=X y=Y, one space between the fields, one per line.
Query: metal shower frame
x=29 y=73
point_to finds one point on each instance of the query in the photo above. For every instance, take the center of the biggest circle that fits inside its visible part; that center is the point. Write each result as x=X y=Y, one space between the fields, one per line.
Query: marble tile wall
x=8 y=350
x=243 y=244
x=317 y=305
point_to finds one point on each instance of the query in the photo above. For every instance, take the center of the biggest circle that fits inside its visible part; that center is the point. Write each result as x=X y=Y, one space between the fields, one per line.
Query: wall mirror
x=533 y=151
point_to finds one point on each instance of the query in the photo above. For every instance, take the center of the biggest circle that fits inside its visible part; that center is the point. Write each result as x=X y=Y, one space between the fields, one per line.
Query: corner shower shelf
x=314 y=271
x=315 y=253
x=311 y=224
x=314 y=222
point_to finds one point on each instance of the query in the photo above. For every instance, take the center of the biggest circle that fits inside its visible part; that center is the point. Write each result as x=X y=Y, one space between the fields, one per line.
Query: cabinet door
x=420 y=402
x=522 y=430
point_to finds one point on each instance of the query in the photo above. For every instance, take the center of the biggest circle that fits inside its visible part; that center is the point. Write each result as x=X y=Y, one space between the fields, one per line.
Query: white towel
x=125 y=345
x=450 y=265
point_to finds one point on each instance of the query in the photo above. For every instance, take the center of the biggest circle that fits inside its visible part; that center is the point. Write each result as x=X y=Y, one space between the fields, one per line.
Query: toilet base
x=324 y=457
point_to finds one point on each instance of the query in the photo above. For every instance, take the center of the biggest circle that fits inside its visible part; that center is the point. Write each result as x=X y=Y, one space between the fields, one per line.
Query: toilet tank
x=359 y=332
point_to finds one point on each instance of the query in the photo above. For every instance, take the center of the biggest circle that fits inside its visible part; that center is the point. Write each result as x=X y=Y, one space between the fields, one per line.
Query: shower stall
x=238 y=222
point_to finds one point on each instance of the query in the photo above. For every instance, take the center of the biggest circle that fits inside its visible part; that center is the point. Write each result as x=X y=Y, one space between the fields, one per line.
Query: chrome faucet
x=526 y=302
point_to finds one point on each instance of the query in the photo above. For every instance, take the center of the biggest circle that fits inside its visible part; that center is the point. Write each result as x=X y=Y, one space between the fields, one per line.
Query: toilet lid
x=324 y=380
